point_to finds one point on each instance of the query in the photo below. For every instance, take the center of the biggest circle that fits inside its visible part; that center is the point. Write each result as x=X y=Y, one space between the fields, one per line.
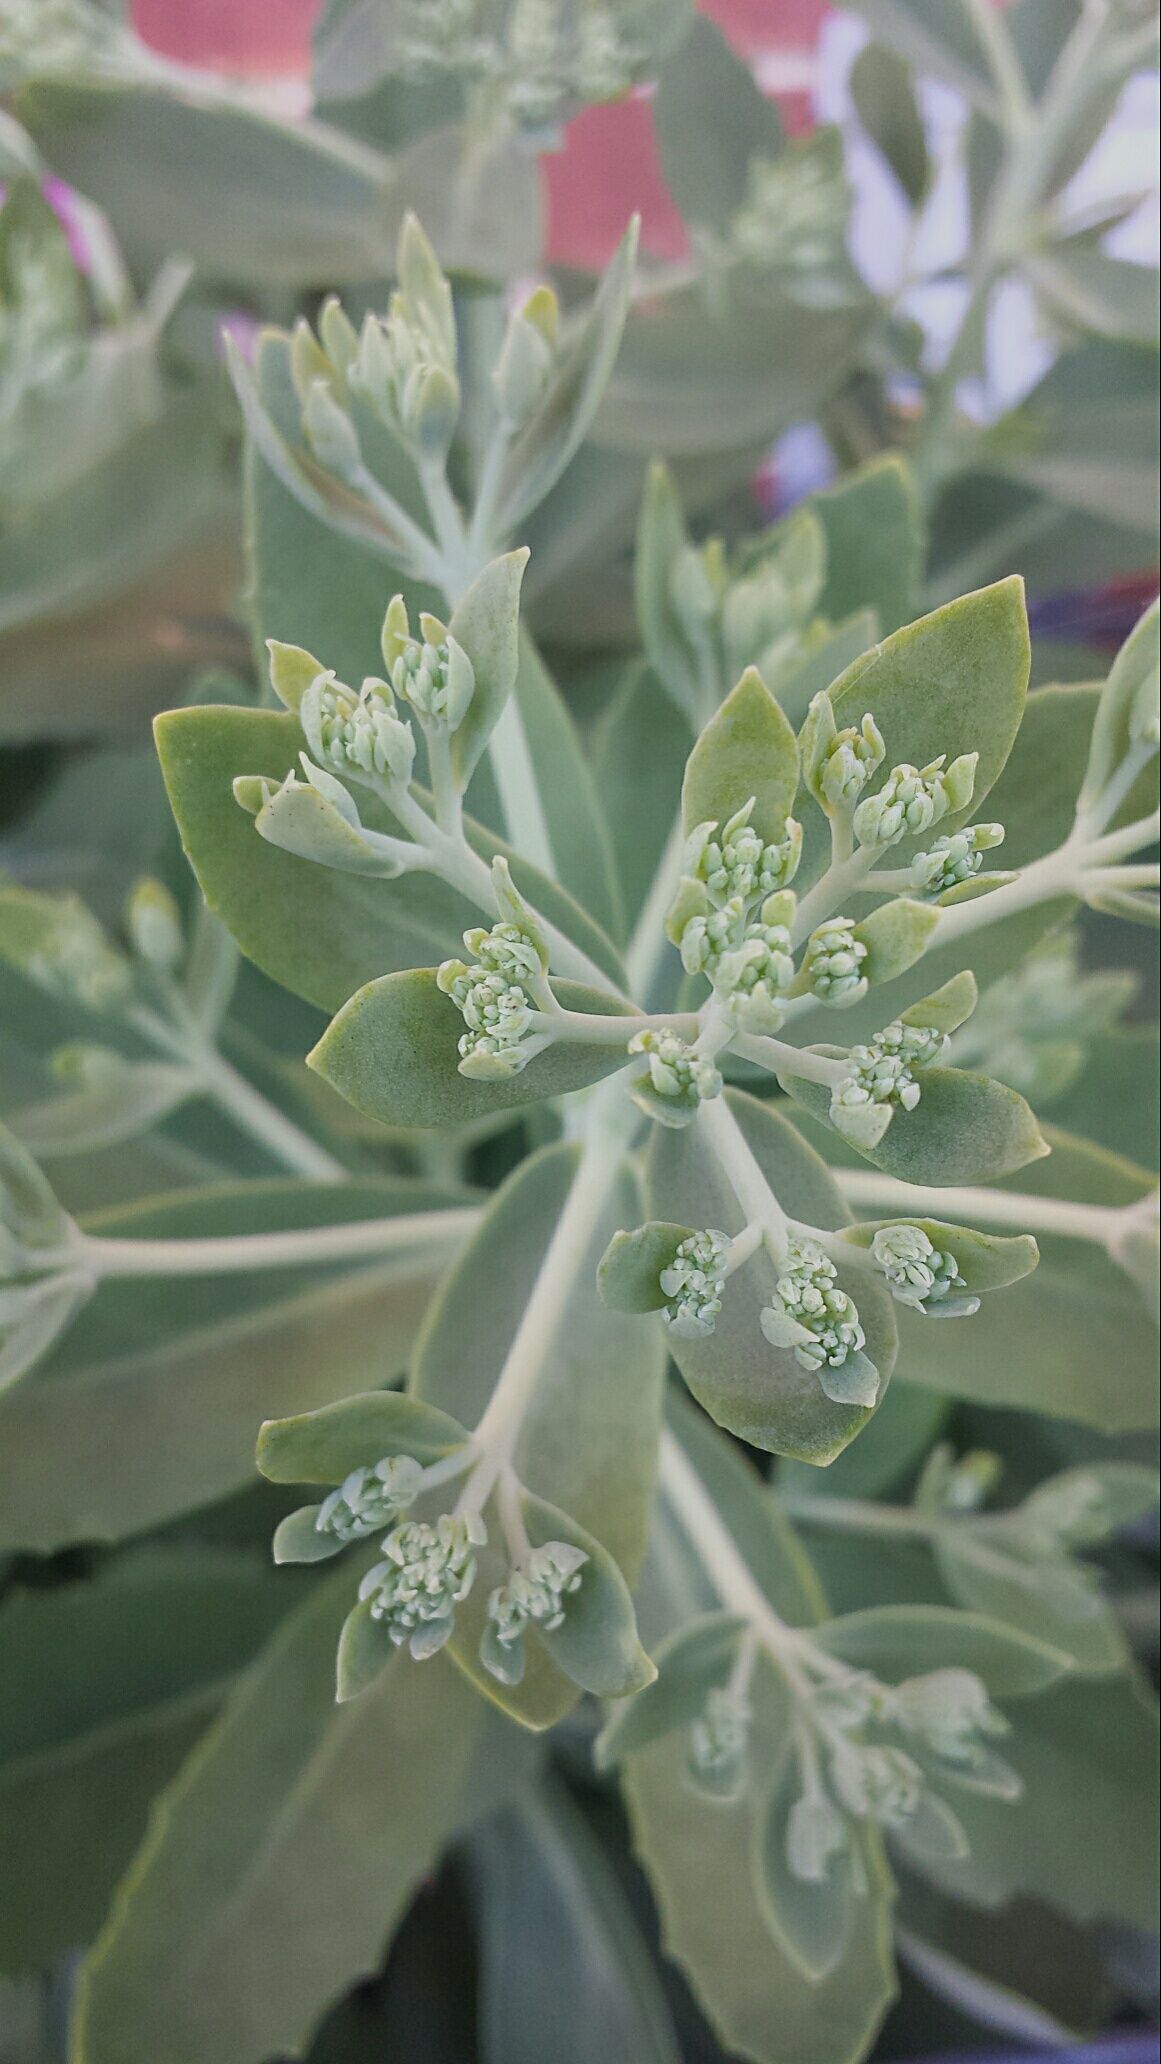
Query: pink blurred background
x=608 y=164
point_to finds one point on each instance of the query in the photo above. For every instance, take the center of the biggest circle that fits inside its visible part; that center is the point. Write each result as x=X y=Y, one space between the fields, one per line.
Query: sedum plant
x=665 y=1076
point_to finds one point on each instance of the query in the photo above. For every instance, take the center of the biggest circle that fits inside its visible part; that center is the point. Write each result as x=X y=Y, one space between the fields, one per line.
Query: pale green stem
x=1144 y=877
x=488 y=490
x=599 y=1030
x=217 y=1079
x=995 y=41
x=1094 y=812
x=1024 y=1214
x=236 y=1254
x=649 y=934
x=728 y=1142
x=855 y=1515
x=781 y=1058
x=425 y=557
x=843 y=878
x=612 y=1120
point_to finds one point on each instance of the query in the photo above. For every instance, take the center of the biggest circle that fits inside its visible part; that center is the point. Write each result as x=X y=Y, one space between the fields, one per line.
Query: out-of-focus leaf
x=711 y=118
x=884 y=98
x=108 y=1682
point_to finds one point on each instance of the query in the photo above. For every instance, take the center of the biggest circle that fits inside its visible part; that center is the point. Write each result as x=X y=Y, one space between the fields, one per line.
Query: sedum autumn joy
x=695 y=1299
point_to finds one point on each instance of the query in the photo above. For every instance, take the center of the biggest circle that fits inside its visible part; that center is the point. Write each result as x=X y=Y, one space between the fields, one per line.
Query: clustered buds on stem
x=369 y=1497
x=719 y=1741
x=912 y=799
x=359 y=736
x=500 y=999
x=811 y=1314
x=954 y=859
x=677 y=1073
x=832 y=963
x=693 y=1284
x=533 y=1596
x=918 y=1274
x=428 y=1571
x=748 y=960
x=433 y=673
x=881 y=1081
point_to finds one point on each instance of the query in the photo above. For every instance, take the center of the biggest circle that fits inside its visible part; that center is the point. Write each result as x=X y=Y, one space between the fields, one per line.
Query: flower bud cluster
x=881 y=1081
x=369 y=1497
x=947 y=1710
x=693 y=1283
x=40 y=37
x=919 y=1274
x=543 y=58
x=360 y=736
x=677 y=1071
x=794 y=214
x=832 y=962
x=912 y=799
x=855 y=754
x=719 y=1741
x=955 y=859
x=69 y=953
x=405 y=371
x=737 y=863
x=809 y=1313
x=428 y=1571
x=498 y=998
x=533 y=1596
x=433 y=673
x=752 y=978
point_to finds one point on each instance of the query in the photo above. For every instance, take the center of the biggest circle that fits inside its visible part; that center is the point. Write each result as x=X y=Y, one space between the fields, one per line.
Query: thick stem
x=727 y=1140
x=781 y=1058
x=1024 y=1214
x=264 y=1122
x=236 y=1254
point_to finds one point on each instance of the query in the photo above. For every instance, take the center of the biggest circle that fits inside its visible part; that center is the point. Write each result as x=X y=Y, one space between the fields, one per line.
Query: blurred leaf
x=112 y=1436
x=278 y=1863
x=884 y=97
x=759 y=1392
x=895 y=1642
x=167 y=167
x=874 y=542
x=150 y=1645
x=711 y=118
x=565 y=1970
x=938 y=37
x=322 y=934
x=747 y=749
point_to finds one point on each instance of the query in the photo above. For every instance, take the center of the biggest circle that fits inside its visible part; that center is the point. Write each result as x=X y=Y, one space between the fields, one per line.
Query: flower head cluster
x=498 y=998
x=693 y=1283
x=919 y=1274
x=954 y=859
x=359 y=736
x=542 y=60
x=854 y=755
x=881 y=1081
x=809 y=1313
x=734 y=862
x=945 y=1714
x=912 y=799
x=719 y=1741
x=428 y=1571
x=369 y=1497
x=533 y=1596
x=795 y=211
x=832 y=963
x=433 y=672
x=754 y=976
x=677 y=1072
x=405 y=363
x=38 y=37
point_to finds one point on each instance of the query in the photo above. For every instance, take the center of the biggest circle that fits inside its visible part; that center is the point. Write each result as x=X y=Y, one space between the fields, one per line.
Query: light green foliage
x=679 y=1002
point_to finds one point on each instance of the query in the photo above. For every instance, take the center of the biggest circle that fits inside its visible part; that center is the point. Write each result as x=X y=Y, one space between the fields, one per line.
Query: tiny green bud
x=330 y=432
x=523 y=369
x=154 y=925
x=918 y=1274
x=677 y=1072
x=809 y=1313
x=719 y=1742
x=832 y=963
x=369 y=1497
x=815 y=1833
x=533 y=1596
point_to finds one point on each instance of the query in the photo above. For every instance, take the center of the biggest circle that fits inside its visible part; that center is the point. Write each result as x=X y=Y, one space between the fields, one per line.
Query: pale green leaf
x=747 y=749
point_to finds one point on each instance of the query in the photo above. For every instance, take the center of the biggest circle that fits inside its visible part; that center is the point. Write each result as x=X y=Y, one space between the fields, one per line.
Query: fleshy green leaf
x=986 y=1261
x=284 y=1853
x=755 y=1390
x=885 y=102
x=874 y=543
x=966 y=1128
x=324 y=1446
x=747 y=749
x=596 y=1646
x=151 y=1642
x=486 y=624
x=588 y=1438
x=661 y=538
x=1133 y=677
x=898 y=1641
x=392 y=1052
x=689 y=1663
x=321 y=934
x=1045 y=1597
x=540 y=452
x=895 y=937
x=200 y=1360
x=628 y=1277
